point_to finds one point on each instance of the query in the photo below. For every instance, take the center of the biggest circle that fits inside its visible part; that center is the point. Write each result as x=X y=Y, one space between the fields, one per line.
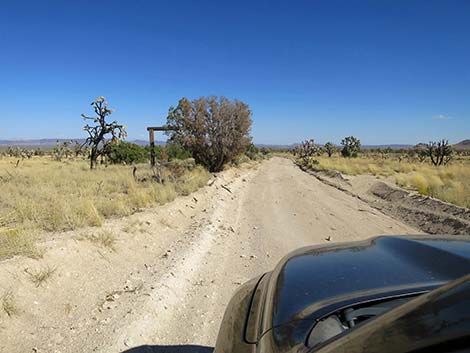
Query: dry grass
x=165 y=222
x=40 y=276
x=105 y=239
x=191 y=182
x=449 y=183
x=18 y=242
x=8 y=304
x=44 y=195
x=131 y=227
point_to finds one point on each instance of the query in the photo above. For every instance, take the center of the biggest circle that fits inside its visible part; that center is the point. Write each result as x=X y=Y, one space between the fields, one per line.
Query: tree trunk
x=93 y=157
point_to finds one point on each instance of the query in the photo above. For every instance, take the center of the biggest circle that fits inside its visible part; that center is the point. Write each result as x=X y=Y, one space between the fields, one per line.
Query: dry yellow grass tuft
x=18 y=242
x=9 y=304
x=131 y=227
x=44 y=195
x=105 y=239
x=450 y=183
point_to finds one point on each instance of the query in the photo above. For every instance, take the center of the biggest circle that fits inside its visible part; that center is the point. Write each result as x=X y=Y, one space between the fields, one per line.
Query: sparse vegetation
x=18 y=241
x=105 y=239
x=8 y=304
x=40 y=276
x=44 y=195
x=134 y=225
x=449 y=183
x=19 y=152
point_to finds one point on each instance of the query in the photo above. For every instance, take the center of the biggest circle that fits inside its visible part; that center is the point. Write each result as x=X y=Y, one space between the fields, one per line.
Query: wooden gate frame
x=151 y=130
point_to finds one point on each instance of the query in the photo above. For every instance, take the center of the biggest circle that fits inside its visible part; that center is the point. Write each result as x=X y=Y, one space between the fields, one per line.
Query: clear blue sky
x=385 y=71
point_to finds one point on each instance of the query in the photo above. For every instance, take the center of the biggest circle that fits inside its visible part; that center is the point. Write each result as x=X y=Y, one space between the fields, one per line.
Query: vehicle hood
x=313 y=281
x=438 y=321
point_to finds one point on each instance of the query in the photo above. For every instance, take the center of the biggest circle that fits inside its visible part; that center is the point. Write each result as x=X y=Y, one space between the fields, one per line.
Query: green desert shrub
x=126 y=153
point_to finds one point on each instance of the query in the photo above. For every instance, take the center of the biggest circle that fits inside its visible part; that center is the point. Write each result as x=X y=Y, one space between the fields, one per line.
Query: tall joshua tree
x=97 y=133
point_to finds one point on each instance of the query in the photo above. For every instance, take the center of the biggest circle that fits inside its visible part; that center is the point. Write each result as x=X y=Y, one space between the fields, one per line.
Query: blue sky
x=385 y=71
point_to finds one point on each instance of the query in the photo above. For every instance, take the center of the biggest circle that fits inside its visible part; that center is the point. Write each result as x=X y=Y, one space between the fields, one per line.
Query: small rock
x=128 y=342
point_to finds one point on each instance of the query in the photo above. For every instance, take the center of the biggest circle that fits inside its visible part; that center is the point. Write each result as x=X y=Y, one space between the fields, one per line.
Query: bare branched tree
x=440 y=152
x=97 y=133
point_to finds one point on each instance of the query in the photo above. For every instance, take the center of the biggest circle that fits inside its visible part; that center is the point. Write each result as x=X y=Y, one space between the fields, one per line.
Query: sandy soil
x=426 y=213
x=174 y=268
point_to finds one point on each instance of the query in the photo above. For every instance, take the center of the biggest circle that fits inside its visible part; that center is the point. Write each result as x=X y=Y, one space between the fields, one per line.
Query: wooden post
x=152 y=146
x=151 y=130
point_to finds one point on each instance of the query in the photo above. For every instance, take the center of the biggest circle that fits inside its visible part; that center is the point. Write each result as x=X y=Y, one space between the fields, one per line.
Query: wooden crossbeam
x=160 y=128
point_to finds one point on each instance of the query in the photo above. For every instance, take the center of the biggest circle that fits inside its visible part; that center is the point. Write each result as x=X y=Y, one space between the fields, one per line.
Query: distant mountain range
x=462 y=145
x=51 y=142
x=392 y=146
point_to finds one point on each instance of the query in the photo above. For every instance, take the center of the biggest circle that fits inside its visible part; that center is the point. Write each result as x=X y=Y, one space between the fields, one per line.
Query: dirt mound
x=425 y=213
x=430 y=215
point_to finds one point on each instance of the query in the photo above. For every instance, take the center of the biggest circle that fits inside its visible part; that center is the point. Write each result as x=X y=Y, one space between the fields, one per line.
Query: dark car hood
x=308 y=282
x=438 y=321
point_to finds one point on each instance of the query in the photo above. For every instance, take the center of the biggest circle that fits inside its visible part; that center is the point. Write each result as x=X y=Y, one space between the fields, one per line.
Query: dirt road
x=165 y=287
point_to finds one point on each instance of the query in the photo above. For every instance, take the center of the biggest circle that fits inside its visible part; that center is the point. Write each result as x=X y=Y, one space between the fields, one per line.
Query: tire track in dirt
x=273 y=211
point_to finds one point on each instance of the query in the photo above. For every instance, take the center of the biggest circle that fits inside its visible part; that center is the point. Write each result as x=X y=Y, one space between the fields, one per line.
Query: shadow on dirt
x=170 y=349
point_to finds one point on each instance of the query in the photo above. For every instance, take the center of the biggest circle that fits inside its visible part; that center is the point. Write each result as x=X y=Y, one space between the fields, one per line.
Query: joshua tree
x=61 y=150
x=19 y=152
x=351 y=146
x=306 y=150
x=97 y=140
x=440 y=152
x=330 y=148
x=77 y=149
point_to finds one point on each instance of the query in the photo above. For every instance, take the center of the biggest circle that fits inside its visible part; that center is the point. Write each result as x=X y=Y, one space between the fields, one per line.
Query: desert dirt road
x=166 y=285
